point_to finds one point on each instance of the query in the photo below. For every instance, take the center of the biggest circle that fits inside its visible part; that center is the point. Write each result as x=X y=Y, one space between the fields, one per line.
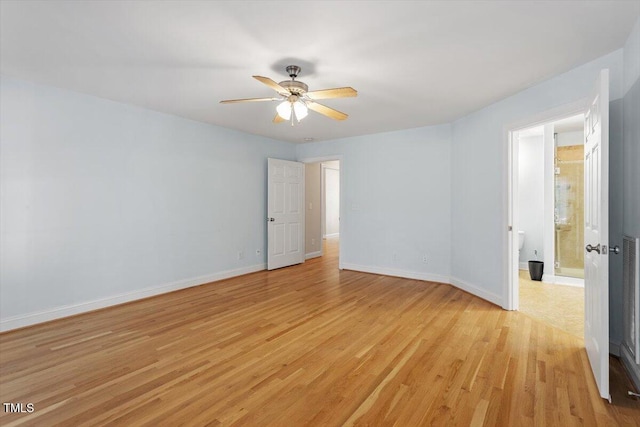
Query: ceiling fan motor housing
x=294 y=87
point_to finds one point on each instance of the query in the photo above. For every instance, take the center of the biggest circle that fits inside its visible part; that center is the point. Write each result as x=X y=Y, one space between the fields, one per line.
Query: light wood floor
x=306 y=345
x=559 y=305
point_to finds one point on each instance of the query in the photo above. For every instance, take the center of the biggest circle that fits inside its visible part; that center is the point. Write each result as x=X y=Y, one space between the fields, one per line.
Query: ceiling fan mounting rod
x=293 y=71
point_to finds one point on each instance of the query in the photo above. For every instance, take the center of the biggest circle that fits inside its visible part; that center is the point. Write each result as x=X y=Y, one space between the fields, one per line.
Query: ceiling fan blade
x=273 y=85
x=339 y=92
x=231 y=101
x=326 y=111
x=278 y=119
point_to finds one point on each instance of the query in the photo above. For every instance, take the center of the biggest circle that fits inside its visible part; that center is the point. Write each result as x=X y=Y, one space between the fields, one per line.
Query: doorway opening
x=323 y=195
x=547 y=215
x=330 y=189
x=596 y=219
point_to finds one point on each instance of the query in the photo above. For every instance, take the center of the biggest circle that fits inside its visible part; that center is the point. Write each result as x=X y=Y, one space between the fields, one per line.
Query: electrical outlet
x=240 y=255
x=424 y=258
x=313 y=242
x=258 y=251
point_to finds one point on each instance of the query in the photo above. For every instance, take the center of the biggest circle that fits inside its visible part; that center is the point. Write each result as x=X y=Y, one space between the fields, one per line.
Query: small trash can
x=535 y=270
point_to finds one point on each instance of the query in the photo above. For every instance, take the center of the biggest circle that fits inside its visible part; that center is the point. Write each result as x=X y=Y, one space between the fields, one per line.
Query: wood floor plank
x=306 y=345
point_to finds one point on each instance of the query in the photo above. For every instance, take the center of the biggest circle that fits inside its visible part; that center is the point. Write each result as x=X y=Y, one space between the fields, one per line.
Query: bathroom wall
x=569 y=208
x=531 y=197
x=570 y=138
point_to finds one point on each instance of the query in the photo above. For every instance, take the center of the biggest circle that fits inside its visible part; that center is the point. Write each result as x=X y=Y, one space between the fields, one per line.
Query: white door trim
x=339 y=157
x=323 y=207
x=510 y=295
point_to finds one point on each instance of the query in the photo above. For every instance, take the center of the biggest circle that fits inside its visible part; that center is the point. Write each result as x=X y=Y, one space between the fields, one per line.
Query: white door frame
x=510 y=295
x=342 y=210
x=323 y=207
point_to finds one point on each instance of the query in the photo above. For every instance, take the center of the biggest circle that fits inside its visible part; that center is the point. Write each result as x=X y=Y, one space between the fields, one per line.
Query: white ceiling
x=413 y=63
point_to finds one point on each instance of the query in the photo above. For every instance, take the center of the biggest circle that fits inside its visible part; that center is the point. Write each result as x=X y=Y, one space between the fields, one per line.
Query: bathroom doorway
x=549 y=206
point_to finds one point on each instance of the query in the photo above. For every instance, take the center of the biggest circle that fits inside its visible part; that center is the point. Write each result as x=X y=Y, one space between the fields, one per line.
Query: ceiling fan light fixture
x=300 y=109
x=284 y=110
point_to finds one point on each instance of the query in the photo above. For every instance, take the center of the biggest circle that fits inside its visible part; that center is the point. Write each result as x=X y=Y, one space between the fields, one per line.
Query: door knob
x=614 y=249
x=271 y=219
x=595 y=248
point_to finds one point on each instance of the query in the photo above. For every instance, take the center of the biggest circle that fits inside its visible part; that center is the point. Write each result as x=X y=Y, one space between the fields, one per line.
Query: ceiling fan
x=296 y=99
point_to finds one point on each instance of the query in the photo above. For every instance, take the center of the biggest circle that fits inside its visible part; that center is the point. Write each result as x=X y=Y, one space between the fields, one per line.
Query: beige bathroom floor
x=560 y=306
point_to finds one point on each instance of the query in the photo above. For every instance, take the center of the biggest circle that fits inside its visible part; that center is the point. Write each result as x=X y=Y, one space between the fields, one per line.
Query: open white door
x=596 y=233
x=285 y=213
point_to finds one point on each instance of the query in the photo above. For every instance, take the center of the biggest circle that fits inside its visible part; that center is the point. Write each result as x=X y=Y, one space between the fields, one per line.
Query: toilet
x=520 y=240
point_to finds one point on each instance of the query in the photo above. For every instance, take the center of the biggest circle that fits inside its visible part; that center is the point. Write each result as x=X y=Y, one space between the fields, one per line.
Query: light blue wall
x=616 y=185
x=396 y=200
x=478 y=170
x=631 y=136
x=101 y=199
x=630 y=165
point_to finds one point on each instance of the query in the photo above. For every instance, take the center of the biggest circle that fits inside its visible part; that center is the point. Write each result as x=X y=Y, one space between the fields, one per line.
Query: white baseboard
x=397 y=273
x=630 y=365
x=563 y=280
x=315 y=254
x=475 y=290
x=614 y=348
x=72 y=309
x=523 y=265
x=460 y=284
